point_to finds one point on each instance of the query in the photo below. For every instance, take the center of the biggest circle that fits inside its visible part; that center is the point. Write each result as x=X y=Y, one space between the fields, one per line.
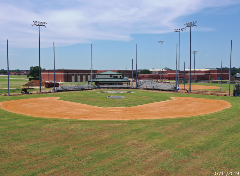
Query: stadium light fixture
x=190 y=24
x=39 y=23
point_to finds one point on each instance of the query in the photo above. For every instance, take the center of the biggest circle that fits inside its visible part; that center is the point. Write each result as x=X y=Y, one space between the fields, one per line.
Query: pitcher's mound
x=51 y=107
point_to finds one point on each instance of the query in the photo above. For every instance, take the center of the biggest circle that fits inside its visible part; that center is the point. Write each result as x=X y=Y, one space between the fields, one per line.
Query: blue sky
x=114 y=28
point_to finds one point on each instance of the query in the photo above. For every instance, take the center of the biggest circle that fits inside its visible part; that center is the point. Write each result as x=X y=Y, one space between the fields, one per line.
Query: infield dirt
x=51 y=107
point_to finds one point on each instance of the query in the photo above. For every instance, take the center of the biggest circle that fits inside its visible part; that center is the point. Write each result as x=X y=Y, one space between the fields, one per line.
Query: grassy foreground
x=199 y=145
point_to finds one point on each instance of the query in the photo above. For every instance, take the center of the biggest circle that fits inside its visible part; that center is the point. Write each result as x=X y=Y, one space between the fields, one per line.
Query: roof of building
x=212 y=68
x=154 y=69
x=109 y=73
x=200 y=69
x=237 y=75
x=110 y=80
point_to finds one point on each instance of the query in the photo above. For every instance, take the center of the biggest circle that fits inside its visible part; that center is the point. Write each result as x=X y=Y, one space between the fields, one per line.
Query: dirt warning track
x=198 y=87
x=51 y=107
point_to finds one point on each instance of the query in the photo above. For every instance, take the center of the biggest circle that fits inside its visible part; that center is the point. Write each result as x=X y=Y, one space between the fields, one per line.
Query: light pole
x=136 y=65
x=176 y=68
x=54 y=66
x=91 y=67
x=132 y=72
x=194 y=52
x=221 y=79
x=179 y=30
x=190 y=24
x=38 y=23
x=184 y=75
x=8 y=69
x=161 y=60
x=230 y=69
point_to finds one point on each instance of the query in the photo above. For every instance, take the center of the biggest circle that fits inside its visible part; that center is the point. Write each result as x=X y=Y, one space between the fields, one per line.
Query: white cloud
x=80 y=21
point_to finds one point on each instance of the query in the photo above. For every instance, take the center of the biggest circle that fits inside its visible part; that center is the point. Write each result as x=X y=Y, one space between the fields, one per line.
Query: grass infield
x=199 y=145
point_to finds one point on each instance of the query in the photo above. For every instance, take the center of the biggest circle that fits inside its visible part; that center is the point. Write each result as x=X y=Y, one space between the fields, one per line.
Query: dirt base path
x=51 y=107
x=197 y=87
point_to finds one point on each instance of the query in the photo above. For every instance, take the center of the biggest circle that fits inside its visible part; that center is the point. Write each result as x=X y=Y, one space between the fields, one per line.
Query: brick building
x=200 y=74
x=67 y=75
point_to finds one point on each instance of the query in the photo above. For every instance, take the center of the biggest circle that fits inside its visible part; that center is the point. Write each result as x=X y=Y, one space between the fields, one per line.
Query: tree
x=234 y=71
x=122 y=72
x=145 y=71
x=134 y=74
x=34 y=72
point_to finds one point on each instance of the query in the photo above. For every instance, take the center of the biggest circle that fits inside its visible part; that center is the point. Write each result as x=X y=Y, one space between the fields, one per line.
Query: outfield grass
x=225 y=87
x=200 y=145
x=14 y=81
x=5 y=91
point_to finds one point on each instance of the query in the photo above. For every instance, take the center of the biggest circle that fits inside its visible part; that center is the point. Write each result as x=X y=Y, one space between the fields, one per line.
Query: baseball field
x=146 y=133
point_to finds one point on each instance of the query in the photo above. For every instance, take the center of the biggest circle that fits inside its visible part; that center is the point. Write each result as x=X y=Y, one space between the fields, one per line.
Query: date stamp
x=227 y=173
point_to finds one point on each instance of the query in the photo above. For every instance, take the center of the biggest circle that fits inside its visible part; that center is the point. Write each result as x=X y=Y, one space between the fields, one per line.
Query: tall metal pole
x=39 y=64
x=91 y=67
x=194 y=67
x=161 y=60
x=8 y=69
x=221 y=78
x=132 y=72
x=38 y=23
x=230 y=69
x=176 y=67
x=179 y=60
x=190 y=62
x=54 y=66
x=194 y=52
x=191 y=24
x=179 y=30
x=161 y=63
x=184 y=75
x=136 y=65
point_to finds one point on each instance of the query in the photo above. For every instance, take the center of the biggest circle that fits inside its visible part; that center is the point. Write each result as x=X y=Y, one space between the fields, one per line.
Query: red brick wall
x=66 y=75
x=199 y=75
